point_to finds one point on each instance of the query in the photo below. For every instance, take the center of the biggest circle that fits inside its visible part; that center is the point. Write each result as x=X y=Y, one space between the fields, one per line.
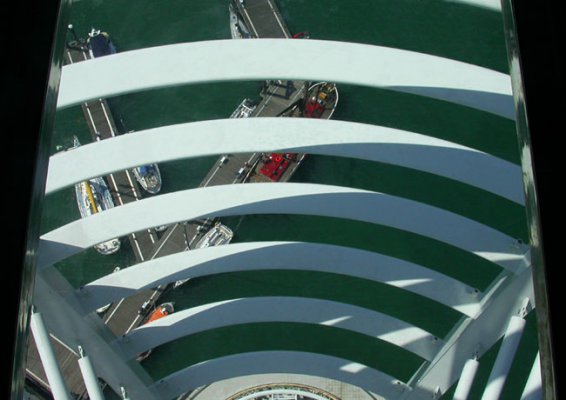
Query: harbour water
x=443 y=28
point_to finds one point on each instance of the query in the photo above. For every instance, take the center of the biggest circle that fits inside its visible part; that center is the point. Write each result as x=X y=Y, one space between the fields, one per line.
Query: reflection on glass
x=344 y=247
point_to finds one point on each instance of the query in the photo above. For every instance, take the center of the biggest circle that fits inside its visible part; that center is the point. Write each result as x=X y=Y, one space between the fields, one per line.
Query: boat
x=161 y=311
x=244 y=109
x=93 y=197
x=301 y=35
x=99 y=44
x=218 y=235
x=238 y=28
x=275 y=164
x=149 y=177
x=320 y=101
x=161 y=228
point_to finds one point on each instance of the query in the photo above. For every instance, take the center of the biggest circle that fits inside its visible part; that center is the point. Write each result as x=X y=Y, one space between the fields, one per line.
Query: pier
x=123 y=185
x=264 y=20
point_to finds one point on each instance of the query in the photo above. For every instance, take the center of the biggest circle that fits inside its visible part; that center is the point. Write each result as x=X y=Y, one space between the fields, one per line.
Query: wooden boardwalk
x=127 y=314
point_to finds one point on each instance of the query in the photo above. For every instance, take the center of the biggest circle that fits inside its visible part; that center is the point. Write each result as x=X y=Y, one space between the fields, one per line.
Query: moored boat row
x=100 y=44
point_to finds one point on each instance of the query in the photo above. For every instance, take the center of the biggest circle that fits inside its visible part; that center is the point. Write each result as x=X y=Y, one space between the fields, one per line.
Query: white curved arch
x=292 y=362
x=280 y=309
x=285 y=256
x=282 y=198
x=259 y=59
x=299 y=135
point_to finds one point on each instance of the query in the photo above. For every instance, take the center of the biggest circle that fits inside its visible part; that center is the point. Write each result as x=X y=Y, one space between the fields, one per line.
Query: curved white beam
x=67 y=323
x=282 y=198
x=298 y=135
x=475 y=337
x=285 y=256
x=280 y=309
x=265 y=362
x=258 y=59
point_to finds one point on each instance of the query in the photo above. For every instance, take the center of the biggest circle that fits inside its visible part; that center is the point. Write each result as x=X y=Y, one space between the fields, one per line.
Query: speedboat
x=149 y=177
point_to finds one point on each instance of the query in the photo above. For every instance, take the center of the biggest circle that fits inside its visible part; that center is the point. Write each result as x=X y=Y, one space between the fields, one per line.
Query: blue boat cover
x=101 y=46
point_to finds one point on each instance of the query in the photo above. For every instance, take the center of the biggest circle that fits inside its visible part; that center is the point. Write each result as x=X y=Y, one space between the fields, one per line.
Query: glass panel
x=248 y=199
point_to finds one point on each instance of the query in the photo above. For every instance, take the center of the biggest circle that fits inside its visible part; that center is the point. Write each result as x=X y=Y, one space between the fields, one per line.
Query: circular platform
x=280 y=386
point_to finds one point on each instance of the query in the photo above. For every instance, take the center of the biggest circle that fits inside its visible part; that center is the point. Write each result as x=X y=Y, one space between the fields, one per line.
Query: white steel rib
x=475 y=337
x=251 y=256
x=258 y=59
x=292 y=362
x=284 y=198
x=67 y=322
x=280 y=309
x=298 y=135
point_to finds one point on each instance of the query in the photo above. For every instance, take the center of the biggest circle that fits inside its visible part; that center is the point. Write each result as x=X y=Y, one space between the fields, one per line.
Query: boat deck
x=124 y=315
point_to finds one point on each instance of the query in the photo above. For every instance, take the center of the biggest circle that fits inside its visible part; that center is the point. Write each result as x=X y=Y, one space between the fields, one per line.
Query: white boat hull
x=218 y=235
x=93 y=196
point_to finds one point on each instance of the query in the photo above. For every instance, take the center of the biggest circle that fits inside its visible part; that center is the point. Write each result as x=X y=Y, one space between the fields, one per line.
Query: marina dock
x=264 y=20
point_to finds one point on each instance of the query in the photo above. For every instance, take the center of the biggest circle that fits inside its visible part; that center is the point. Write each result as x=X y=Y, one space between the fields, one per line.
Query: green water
x=446 y=29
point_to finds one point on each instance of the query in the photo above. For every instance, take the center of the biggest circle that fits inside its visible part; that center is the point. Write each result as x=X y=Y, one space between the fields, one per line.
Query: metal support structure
x=280 y=309
x=285 y=198
x=473 y=336
x=288 y=362
x=259 y=59
x=72 y=327
x=466 y=379
x=89 y=377
x=282 y=255
x=504 y=359
x=48 y=359
x=533 y=387
x=304 y=135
